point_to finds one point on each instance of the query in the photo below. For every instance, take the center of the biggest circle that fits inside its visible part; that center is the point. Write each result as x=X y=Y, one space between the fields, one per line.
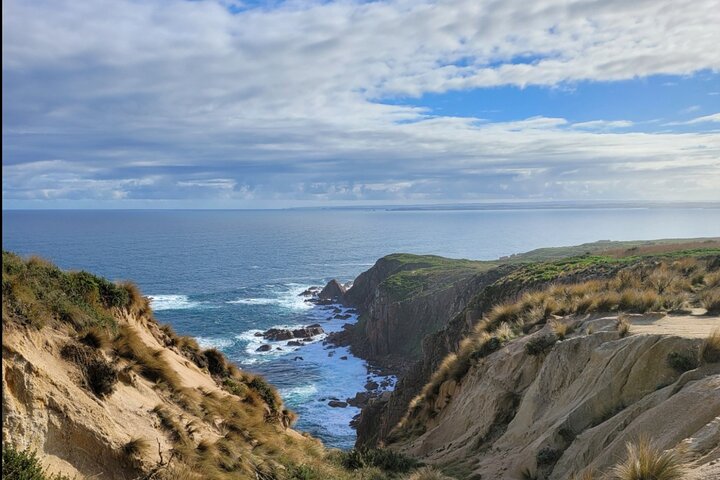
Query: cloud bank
x=223 y=104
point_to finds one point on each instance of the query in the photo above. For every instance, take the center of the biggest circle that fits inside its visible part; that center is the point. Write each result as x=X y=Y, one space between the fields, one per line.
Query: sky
x=274 y=104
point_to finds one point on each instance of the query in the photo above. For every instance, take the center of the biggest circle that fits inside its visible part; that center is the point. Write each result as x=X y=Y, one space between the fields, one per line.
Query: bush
x=266 y=393
x=540 y=345
x=683 y=361
x=20 y=465
x=24 y=465
x=622 y=325
x=646 y=462
x=136 y=446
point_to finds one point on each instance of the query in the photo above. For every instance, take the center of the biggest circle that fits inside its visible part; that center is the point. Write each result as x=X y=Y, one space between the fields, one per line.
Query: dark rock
x=337 y=404
x=334 y=290
x=330 y=354
x=371 y=385
x=342 y=317
x=264 y=348
x=337 y=310
x=278 y=348
x=294 y=343
x=298 y=358
x=344 y=357
x=276 y=334
x=258 y=334
x=359 y=400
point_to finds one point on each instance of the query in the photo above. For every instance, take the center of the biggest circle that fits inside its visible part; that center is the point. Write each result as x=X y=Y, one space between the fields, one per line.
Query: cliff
x=555 y=382
x=441 y=332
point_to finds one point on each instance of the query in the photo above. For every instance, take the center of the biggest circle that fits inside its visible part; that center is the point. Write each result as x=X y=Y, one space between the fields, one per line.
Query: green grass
x=36 y=292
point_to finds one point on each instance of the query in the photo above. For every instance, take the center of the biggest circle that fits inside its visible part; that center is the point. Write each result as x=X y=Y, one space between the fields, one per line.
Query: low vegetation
x=711 y=347
x=644 y=461
x=24 y=465
x=667 y=284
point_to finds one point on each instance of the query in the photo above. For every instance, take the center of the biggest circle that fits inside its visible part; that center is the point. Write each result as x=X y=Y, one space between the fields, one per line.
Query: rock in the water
x=276 y=334
x=330 y=354
x=344 y=357
x=359 y=400
x=342 y=316
x=264 y=348
x=298 y=358
x=371 y=385
x=337 y=404
x=294 y=343
x=258 y=334
x=334 y=291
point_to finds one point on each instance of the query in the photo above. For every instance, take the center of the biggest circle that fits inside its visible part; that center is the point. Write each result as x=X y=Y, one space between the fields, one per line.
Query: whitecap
x=254 y=301
x=299 y=393
x=288 y=298
x=171 y=302
x=214 y=342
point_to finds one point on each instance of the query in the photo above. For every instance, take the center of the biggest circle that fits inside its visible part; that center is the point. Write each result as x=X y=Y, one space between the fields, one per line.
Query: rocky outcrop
x=277 y=334
x=573 y=409
x=334 y=291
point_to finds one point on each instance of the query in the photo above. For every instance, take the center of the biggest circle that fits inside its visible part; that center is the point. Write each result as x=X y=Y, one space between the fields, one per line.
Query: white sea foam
x=287 y=297
x=214 y=342
x=171 y=302
x=299 y=393
x=254 y=301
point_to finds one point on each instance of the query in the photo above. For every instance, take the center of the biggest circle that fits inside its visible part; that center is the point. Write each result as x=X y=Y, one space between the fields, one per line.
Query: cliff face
x=474 y=296
x=577 y=406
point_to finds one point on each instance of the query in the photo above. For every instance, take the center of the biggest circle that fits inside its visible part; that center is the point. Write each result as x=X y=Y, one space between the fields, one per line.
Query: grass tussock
x=148 y=362
x=644 y=461
x=136 y=447
x=427 y=473
x=711 y=347
x=99 y=375
x=668 y=285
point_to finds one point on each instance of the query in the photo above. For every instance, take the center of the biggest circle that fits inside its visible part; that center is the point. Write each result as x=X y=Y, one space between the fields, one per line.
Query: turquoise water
x=221 y=276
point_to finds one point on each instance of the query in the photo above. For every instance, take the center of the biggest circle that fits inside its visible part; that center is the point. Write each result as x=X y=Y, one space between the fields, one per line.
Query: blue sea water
x=222 y=276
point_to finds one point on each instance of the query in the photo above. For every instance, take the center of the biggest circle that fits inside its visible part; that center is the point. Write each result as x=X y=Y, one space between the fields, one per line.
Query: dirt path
x=694 y=325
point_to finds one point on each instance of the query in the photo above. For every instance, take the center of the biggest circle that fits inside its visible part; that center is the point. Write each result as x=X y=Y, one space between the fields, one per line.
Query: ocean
x=222 y=276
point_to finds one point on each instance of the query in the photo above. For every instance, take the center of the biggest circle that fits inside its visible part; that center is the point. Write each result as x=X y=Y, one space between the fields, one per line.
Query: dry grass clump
x=561 y=329
x=588 y=474
x=99 y=375
x=711 y=347
x=710 y=300
x=622 y=325
x=136 y=447
x=148 y=362
x=646 y=462
x=427 y=473
x=96 y=337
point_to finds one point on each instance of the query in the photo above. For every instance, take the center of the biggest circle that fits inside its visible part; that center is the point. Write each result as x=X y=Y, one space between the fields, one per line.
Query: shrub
x=540 y=345
x=711 y=347
x=24 y=465
x=683 y=361
x=20 y=464
x=646 y=462
x=95 y=337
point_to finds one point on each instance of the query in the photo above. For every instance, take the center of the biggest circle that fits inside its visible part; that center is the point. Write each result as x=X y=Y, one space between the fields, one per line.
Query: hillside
x=94 y=387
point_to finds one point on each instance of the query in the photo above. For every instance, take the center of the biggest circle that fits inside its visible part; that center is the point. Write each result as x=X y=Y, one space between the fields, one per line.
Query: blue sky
x=229 y=104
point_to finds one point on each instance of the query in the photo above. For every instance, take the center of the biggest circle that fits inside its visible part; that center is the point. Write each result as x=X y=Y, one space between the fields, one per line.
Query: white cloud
x=265 y=102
